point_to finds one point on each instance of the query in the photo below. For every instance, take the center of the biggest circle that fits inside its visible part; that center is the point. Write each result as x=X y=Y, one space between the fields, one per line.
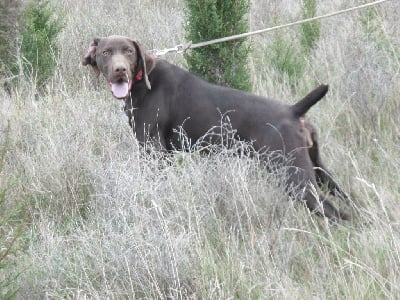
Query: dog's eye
x=129 y=51
x=106 y=52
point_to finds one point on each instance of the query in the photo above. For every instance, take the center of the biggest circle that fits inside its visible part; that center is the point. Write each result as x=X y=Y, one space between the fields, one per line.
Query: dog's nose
x=120 y=68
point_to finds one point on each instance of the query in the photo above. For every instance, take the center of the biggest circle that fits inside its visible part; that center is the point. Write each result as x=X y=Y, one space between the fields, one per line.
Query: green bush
x=285 y=56
x=39 y=47
x=9 y=12
x=288 y=54
x=224 y=63
x=310 y=30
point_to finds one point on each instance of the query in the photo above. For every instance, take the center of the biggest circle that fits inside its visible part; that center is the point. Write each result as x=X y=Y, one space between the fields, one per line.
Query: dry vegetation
x=89 y=215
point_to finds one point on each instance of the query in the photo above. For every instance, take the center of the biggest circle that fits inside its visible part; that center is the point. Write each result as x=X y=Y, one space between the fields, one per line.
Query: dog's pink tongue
x=120 y=89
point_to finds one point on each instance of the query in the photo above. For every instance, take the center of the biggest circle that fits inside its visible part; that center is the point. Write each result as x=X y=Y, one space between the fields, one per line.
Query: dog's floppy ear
x=90 y=56
x=144 y=61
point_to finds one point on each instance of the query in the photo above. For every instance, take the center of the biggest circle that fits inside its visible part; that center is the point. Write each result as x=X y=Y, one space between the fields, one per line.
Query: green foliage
x=289 y=53
x=223 y=63
x=375 y=35
x=9 y=11
x=310 y=30
x=286 y=58
x=39 y=47
x=369 y=21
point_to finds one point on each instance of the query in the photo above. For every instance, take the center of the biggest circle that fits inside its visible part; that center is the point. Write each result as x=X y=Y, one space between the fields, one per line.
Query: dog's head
x=122 y=62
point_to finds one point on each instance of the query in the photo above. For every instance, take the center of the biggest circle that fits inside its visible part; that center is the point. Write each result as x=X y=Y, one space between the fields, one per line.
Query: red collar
x=138 y=76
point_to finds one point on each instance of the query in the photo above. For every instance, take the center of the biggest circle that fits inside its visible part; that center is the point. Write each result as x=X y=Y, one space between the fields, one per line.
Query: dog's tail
x=300 y=108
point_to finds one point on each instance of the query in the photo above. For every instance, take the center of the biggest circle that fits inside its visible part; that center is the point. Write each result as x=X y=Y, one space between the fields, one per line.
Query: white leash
x=184 y=47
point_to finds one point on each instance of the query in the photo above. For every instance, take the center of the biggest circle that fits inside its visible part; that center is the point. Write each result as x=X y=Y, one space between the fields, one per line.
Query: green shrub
x=310 y=30
x=376 y=36
x=284 y=55
x=9 y=11
x=289 y=53
x=39 y=47
x=224 y=63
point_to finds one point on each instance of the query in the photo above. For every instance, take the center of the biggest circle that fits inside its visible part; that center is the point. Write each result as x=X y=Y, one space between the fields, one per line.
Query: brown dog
x=163 y=100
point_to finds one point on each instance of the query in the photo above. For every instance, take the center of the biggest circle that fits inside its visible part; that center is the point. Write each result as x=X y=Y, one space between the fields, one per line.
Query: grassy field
x=84 y=214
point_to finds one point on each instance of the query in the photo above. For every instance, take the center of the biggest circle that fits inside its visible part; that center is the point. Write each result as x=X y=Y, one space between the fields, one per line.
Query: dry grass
x=104 y=220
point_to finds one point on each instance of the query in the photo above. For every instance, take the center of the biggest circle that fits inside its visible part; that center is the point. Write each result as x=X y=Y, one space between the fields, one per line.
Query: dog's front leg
x=303 y=186
x=149 y=136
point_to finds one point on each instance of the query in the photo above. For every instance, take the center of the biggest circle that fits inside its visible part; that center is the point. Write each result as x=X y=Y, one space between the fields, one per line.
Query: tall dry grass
x=103 y=220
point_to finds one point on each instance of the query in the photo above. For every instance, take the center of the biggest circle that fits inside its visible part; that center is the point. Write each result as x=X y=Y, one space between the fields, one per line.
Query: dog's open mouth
x=120 y=89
